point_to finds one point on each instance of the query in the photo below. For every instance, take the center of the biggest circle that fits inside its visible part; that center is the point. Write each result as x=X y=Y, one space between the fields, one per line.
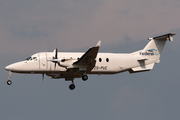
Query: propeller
x=56 y=57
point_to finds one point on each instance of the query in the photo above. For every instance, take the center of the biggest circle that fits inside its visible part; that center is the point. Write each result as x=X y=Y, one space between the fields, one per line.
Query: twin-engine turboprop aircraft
x=70 y=65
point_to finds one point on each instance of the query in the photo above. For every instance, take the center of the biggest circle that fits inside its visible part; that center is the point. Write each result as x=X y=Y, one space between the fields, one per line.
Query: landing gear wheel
x=84 y=77
x=71 y=87
x=9 y=82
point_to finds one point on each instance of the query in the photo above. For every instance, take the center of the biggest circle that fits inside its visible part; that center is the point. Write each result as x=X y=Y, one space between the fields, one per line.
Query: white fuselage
x=106 y=63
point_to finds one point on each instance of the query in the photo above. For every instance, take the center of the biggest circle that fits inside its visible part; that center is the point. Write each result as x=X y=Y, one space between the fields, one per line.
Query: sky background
x=31 y=26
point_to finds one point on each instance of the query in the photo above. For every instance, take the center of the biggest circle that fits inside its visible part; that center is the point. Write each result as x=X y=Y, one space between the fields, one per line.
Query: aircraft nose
x=8 y=68
x=15 y=67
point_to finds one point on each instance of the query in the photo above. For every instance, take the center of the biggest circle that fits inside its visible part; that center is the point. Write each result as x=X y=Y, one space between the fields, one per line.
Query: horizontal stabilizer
x=164 y=37
x=142 y=68
x=142 y=59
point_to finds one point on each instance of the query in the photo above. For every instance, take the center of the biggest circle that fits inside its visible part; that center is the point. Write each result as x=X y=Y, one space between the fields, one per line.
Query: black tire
x=9 y=82
x=72 y=87
x=84 y=77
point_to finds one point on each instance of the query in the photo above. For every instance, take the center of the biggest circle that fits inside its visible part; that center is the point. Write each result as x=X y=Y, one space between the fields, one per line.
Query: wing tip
x=98 y=44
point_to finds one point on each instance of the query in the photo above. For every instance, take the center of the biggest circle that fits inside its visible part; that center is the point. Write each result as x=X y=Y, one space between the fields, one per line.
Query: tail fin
x=155 y=47
x=152 y=52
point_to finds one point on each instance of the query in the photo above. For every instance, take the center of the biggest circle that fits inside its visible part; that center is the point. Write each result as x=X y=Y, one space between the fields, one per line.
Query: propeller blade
x=56 y=54
x=55 y=57
x=42 y=78
x=55 y=64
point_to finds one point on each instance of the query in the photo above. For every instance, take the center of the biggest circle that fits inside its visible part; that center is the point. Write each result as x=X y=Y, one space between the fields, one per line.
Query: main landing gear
x=72 y=86
x=84 y=77
x=9 y=82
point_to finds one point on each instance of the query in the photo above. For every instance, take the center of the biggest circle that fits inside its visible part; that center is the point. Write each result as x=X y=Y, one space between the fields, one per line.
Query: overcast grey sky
x=28 y=27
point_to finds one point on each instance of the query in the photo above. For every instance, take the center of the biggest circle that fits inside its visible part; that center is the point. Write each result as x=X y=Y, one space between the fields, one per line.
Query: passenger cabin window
x=107 y=59
x=100 y=60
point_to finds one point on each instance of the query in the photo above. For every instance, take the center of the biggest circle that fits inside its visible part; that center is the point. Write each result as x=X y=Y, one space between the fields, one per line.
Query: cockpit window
x=29 y=58
x=34 y=58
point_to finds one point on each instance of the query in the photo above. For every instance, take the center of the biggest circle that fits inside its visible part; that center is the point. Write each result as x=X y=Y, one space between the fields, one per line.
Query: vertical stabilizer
x=151 y=53
x=155 y=47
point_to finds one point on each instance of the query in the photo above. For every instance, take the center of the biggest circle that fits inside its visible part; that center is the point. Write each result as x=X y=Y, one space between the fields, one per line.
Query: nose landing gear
x=9 y=82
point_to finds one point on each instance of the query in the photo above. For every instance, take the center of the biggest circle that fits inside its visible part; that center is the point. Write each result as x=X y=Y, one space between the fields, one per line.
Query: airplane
x=70 y=65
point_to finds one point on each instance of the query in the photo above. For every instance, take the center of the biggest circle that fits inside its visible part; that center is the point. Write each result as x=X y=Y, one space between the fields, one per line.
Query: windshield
x=29 y=58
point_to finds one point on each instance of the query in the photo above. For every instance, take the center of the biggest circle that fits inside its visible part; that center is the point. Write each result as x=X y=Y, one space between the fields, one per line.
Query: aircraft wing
x=87 y=61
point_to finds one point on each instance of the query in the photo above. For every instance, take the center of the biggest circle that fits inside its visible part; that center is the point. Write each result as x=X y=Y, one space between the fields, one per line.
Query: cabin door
x=42 y=61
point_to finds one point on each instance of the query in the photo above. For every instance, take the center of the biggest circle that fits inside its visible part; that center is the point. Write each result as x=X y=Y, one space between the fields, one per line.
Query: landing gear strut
x=9 y=82
x=72 y=86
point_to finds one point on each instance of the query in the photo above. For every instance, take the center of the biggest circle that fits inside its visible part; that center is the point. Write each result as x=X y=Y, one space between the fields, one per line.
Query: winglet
x=98 y=44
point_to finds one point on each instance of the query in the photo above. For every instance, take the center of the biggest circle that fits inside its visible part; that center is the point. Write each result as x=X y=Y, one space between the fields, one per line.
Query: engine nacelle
x=66 y=62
